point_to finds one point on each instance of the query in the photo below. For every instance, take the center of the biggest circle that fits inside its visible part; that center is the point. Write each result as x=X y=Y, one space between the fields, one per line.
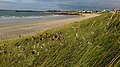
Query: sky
x=59 y=4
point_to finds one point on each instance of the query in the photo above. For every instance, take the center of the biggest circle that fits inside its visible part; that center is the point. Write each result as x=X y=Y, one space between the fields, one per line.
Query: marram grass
x=90 y=43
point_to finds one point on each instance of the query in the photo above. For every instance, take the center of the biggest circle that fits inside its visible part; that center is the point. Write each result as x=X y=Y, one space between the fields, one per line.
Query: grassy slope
x=92 y=42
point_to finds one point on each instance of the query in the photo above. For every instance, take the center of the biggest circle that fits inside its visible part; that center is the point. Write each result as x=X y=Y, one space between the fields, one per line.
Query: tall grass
x=90 y=43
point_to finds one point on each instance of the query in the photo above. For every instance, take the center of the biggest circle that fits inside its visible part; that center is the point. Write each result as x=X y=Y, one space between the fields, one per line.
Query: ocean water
x=12 y=16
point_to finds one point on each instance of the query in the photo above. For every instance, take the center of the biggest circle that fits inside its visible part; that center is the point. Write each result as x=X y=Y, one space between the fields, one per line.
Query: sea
x=13 y=16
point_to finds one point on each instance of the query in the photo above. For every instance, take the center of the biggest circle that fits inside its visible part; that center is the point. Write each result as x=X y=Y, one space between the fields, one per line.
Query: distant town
x=70 y=12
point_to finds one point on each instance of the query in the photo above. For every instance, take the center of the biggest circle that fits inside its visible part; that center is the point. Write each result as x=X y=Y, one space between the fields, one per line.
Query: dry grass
x=90 y=43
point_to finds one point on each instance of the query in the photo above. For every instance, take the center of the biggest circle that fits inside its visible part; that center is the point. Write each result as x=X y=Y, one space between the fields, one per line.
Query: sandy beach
x=14 y=30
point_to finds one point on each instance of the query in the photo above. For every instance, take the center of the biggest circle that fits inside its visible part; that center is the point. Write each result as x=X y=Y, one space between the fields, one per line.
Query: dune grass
x=90 y=43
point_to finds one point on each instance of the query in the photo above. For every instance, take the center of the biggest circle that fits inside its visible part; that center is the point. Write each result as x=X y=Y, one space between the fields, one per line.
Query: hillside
x=90 y=43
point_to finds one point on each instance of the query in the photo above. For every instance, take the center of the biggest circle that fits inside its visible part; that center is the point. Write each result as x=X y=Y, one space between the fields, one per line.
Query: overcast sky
x=59 y=4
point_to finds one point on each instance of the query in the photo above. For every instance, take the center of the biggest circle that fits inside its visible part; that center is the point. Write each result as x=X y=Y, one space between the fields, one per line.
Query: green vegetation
x=90 y=43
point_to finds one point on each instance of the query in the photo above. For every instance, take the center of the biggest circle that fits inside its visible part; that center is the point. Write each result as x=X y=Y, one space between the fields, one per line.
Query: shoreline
x=29 y=21
x=16 y=30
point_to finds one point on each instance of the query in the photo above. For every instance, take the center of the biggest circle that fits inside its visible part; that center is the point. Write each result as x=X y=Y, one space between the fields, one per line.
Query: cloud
x=90 y=4
x=59 y=4
x=20 y=1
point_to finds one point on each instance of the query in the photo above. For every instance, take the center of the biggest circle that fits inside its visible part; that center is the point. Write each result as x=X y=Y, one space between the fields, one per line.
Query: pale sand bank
x=8 y=31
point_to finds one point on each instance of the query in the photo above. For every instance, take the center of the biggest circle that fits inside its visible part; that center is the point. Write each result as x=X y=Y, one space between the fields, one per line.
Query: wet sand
x=14 y=30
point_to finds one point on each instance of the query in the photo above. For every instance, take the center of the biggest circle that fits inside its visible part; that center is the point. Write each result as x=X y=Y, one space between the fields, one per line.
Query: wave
x=27 y=17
